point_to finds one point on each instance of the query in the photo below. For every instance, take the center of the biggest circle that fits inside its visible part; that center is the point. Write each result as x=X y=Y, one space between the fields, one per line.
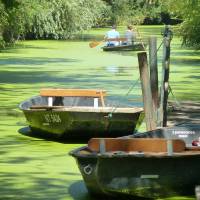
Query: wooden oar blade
x=94 y=44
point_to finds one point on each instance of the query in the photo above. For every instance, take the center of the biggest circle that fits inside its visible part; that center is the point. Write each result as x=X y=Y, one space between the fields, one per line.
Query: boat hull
x=148 y=177
x=135 y=47
x=139 y=174
x=76 y=124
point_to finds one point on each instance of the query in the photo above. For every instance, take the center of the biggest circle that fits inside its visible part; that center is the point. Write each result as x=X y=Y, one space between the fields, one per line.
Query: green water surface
x=33 y=168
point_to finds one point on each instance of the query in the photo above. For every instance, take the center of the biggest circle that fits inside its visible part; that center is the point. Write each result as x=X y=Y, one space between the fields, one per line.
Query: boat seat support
x=96 y=94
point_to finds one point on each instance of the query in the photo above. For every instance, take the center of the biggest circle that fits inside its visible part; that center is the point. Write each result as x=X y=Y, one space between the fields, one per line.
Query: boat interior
x=147 y=146
x=68 y=99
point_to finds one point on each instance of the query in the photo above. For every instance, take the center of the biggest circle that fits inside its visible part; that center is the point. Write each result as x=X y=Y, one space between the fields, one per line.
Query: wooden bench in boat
x=155 y=145
x=116 y=39
x=96 y=94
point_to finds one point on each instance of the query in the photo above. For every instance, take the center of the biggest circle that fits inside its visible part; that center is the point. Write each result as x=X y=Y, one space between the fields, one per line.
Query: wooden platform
x=186 y=112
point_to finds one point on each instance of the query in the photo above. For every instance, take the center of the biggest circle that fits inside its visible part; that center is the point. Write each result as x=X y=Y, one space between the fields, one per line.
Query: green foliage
x=188 y=10
x=133 y=11
x=63 y=18
x=48 y=18
x=2 y=23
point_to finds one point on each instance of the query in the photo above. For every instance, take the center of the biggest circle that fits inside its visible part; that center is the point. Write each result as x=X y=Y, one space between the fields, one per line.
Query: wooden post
x=146 y=91
x=153 y=73
x=165 y=81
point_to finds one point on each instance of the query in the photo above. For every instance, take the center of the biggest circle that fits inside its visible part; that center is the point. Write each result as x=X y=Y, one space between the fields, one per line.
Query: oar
x=95 y=43
x=140 y=38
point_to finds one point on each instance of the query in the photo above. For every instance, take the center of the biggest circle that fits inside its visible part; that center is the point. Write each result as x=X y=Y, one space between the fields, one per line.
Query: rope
x=135 y=83
x=126 y=94
x=177 y=102
x=140 y=37
x=132 y=86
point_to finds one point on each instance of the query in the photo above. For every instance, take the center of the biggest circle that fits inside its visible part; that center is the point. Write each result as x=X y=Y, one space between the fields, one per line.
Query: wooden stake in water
x=146 y=91
x=153 y=73
x=165 y=77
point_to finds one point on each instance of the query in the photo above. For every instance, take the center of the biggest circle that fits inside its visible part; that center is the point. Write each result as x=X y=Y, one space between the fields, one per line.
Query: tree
x=188 y=10
x=48 y=18
x=133 y=11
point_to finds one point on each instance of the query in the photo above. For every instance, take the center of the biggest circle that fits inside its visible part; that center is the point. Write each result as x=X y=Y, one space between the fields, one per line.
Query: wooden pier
x=185 y=112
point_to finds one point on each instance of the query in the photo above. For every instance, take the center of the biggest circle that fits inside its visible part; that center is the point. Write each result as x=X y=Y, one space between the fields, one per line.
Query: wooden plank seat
x=50 y=92
x=155 y=145
x=116 y=39
x=96 y=94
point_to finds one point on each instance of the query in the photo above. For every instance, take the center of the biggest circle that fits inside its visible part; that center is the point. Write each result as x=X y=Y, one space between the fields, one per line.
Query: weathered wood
x=146 y=91
x=135 y=144
x=51 y=92
x=116 y=39
x=165 y=82
x=74 y=93
x=91 y=109
x=153 y=73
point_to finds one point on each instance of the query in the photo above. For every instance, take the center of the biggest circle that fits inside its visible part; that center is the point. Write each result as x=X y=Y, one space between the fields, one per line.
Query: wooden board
x=50 y=92
x=136 y=144
x=116 y=39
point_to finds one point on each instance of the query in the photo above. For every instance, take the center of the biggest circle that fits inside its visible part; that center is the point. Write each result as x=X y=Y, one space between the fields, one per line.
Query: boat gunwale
x=125 y=110
x=100 y=109
x=136 y=154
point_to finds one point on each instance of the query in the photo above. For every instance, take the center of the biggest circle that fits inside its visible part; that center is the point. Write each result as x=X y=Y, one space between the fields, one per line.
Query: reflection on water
x=112 y=69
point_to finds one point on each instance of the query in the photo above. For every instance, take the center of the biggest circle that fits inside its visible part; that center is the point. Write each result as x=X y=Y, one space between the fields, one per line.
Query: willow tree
x=63 y=18
x=48 y=18
x=188 y=11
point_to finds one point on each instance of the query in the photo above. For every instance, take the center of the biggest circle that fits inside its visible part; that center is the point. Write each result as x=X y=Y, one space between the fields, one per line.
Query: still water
x=33 y=168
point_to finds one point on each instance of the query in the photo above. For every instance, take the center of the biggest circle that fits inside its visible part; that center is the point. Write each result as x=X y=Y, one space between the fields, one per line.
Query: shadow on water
x=27 y=132
x=182 y=61
x=18 y=47
x=28 y=77
x=35 y=61
x=41 y=188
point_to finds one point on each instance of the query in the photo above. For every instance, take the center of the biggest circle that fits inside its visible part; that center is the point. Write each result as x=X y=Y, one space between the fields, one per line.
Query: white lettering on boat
x=52 y=118
x=183 y=132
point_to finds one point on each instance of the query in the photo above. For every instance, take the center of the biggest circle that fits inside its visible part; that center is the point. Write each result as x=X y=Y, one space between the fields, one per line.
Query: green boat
x=133 y=47
x=151 y=167
x=79 y=113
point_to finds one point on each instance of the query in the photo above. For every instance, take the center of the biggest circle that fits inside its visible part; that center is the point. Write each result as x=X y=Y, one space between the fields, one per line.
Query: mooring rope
x=132 y=86
x=177 y=102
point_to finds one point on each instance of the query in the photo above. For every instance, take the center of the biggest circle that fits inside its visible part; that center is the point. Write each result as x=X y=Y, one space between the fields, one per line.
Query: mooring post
x=165 y=77
x=154 y=73
x=146 y=91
